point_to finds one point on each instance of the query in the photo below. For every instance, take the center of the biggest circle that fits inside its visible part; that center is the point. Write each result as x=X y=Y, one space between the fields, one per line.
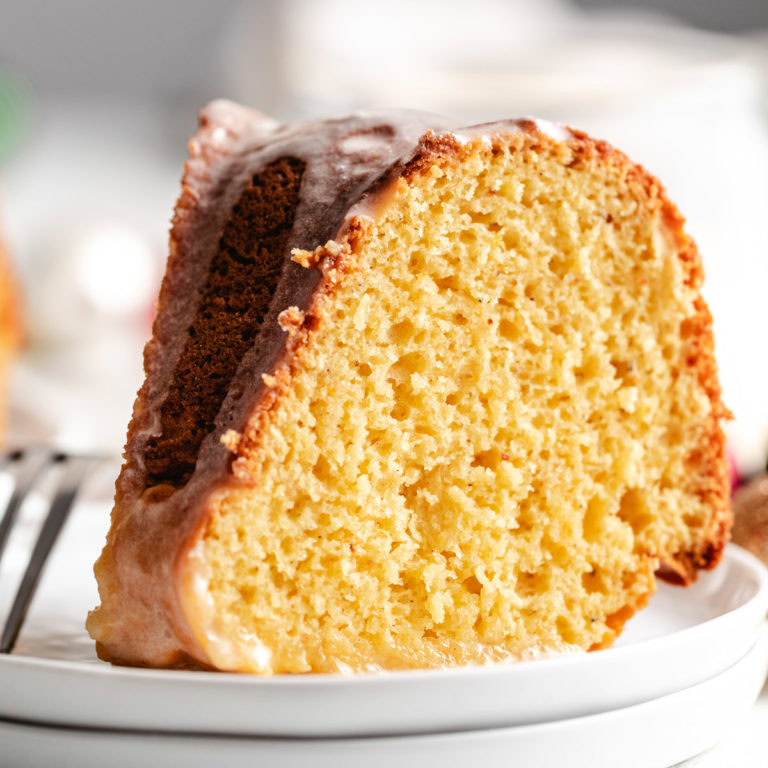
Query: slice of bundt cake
x=415 y=397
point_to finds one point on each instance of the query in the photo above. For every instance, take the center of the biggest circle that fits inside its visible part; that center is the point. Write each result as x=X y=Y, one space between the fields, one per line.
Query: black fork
x=28 y=467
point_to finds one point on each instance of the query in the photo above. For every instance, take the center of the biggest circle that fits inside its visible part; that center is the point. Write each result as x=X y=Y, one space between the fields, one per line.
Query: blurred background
x=97 y=100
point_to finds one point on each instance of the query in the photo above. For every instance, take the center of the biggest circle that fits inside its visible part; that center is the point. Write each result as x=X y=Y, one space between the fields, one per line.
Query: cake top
x=346 y=158
x=343 y=157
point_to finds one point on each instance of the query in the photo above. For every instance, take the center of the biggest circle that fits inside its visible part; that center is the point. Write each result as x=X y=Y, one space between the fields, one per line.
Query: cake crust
x=147 y=566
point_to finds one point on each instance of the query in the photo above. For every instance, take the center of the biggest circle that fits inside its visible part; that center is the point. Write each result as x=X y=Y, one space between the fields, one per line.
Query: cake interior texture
x=503 y=419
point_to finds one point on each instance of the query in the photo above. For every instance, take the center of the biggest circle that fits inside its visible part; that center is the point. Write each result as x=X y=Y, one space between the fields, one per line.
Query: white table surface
x=745 y=747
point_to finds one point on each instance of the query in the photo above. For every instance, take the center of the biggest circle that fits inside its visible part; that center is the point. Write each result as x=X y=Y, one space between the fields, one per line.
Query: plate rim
x=726 y=696
x=759 y=648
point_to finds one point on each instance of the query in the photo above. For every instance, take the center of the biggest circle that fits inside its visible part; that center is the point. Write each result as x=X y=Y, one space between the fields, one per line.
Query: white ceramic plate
x=656 y=734
x=684 y=637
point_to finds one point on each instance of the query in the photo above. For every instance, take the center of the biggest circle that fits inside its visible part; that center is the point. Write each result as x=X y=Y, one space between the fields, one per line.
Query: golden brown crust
x=708 y=463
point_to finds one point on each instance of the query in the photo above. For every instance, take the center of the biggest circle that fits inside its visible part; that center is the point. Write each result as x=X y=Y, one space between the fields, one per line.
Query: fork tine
x=32 y=466
x=57 y=514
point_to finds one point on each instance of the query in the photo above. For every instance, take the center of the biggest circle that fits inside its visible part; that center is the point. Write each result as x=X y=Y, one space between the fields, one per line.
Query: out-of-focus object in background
x=85 y=205
x=750 y=517
x=13 y=113
x=687 y=104
x=104 y=275
x=89 y=315
x=12 y=118
x=10 y=327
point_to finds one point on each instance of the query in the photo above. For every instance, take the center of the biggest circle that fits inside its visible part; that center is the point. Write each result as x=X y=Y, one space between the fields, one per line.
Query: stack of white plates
x=685 y=669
